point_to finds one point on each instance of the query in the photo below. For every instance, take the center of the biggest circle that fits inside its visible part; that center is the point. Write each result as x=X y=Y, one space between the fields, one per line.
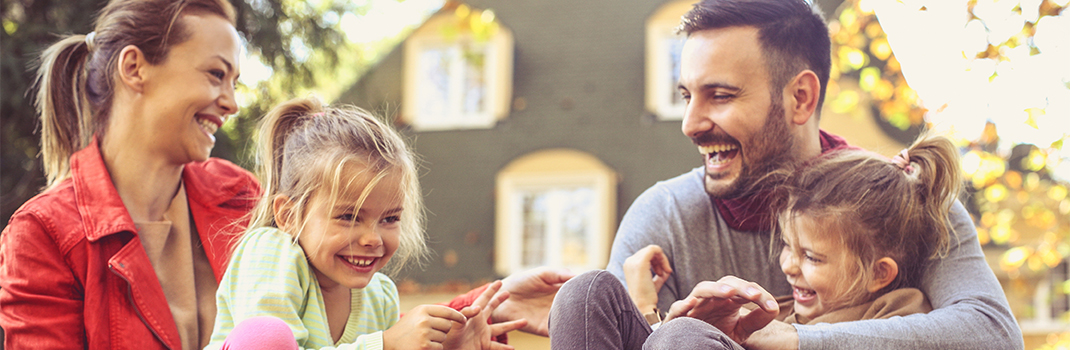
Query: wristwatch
x=653 y=317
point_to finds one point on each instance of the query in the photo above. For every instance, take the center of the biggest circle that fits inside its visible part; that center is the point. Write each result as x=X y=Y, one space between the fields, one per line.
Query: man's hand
x=644 y=273
x=721 y=305
x=531 y=293
x=774 y=336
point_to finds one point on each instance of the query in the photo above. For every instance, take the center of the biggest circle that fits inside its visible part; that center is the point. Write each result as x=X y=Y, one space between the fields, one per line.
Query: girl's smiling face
x=345 y=240
x=818 y=266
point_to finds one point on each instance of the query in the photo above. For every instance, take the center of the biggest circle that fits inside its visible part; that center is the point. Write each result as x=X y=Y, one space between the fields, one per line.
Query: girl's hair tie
x=902 y=160
x=318 y=114
x=90 y=45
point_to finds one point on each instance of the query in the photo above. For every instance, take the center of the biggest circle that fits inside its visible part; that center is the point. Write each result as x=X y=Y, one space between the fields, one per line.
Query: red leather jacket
x=73 y=274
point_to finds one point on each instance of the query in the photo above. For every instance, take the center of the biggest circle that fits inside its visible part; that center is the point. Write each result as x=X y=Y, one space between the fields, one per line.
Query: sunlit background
x=994 y=75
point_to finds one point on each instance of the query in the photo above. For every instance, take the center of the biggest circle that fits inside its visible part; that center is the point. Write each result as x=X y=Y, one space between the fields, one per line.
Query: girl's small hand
x=423 y=328
x=721 y=305
x=476 y=333
x=645 y=272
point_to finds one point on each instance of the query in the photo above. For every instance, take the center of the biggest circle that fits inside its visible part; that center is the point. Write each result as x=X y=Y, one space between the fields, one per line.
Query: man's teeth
x=360 y=262
x=207 y=125
x=716 y=148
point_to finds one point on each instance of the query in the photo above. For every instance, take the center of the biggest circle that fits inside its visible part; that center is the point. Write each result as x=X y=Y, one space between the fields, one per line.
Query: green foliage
x=29 y=26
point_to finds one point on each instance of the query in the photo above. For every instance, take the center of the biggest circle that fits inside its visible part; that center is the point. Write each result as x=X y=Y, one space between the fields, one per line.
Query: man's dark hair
x=793 y=35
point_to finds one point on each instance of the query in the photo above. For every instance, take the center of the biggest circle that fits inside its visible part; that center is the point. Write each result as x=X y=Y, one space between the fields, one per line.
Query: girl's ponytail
x=271 y=141
x=879 y=208
x=66 y=115
x=935 y=163
x=306 y=149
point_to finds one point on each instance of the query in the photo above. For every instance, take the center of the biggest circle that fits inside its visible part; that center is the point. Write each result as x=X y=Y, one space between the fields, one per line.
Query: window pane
x=674 y=45
x=1060 y=298
x=576 y=226
x=474 y=82
x=534 y=236
x=557 y=227
x=433 y=90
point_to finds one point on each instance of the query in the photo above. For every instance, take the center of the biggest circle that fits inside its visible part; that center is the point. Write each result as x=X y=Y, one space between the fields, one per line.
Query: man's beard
x=769 y=149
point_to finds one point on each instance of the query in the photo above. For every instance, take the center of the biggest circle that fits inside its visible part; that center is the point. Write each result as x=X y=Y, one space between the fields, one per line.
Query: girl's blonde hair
x=76 y=78
x=878 y=209
x=305 y=148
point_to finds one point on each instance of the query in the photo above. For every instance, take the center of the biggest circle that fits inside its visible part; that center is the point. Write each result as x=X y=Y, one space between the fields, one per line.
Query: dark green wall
x=580 y=67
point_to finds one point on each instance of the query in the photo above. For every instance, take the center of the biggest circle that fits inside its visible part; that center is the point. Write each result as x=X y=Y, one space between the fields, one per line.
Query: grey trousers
x=593 y=311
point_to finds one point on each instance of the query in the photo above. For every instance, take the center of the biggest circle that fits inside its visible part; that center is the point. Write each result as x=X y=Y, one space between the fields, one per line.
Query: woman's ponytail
x=66 y=115
x=75 y=80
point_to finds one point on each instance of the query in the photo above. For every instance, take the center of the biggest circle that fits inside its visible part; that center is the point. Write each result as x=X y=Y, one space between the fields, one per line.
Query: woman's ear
x=282 y=209
x=132 y=66
x=884 y=272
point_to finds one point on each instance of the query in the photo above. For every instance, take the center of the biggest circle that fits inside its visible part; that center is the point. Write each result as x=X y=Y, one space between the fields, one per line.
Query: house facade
x=539 y=123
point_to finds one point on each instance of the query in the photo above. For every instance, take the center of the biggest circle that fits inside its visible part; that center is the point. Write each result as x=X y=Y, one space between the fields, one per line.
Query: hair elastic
x=89 y=40
x=318 y=114
x=902 y=160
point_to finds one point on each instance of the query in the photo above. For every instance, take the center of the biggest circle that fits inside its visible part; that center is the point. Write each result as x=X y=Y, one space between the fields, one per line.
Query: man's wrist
x=774 y=336
x=645 y=307
x=653 y=316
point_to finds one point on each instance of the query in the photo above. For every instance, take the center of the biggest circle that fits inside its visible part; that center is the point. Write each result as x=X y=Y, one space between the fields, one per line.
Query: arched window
x=555 y=208
x=458 y=71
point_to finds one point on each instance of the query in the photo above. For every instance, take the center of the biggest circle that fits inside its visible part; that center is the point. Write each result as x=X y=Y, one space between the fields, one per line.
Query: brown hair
x=793 y=35
x=878 y=209
x=305 y=148
x=76 y=77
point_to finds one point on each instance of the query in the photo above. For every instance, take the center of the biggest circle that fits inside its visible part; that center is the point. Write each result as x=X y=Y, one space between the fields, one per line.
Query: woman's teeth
x=207 y=125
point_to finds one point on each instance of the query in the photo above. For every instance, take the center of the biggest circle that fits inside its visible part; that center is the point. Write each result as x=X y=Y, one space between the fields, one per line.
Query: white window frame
x=551 y=256
x=1043 y=321
x=660 y=87
x=509 y=233
x=497 y=73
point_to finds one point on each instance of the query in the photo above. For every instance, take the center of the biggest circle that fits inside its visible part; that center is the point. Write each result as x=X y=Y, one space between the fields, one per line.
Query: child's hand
x=423 y=328
x=721 y=305
x=476 y=333
x=644 y=273
x=531 y=293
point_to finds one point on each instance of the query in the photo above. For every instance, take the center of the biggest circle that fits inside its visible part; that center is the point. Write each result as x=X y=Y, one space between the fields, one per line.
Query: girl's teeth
x=360 y=262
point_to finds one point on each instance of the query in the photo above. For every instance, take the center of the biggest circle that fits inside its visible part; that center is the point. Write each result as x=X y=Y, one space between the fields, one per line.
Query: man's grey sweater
x=970 y=310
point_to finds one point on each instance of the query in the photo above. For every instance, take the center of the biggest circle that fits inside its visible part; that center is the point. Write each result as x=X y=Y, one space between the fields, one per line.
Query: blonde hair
x=305 y=148
x=76 y=77
x=878 y=209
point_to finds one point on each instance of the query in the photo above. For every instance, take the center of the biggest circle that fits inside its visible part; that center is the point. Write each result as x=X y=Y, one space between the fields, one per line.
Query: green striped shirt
x=269 y=275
